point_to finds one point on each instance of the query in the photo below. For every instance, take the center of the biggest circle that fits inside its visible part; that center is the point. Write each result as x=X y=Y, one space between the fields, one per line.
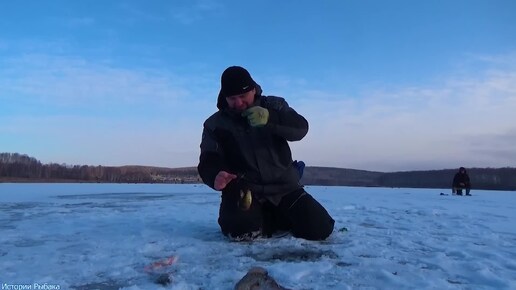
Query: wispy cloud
x=98 y=113
x=195 y=11
x=77 y=82
x=94 y=140
x=464 y=119
x=499 y=146
x=437 y=125
x=133 y=12
x=81 y=21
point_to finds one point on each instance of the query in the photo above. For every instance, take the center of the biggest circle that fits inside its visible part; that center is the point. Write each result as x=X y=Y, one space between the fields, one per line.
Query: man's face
x=241 y=102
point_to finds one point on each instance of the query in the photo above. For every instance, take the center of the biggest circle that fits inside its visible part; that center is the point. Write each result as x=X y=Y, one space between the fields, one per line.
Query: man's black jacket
x=260 y=156
x=461 y=180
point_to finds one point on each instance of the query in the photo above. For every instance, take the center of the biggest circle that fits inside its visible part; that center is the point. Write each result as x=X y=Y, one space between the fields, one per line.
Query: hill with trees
x=15 y=167
x=481 y=178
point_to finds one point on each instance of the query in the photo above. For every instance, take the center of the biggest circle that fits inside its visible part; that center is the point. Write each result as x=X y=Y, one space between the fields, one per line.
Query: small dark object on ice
x=258 y=279
x=158 y=270
x=444 y=193
x=163 y=279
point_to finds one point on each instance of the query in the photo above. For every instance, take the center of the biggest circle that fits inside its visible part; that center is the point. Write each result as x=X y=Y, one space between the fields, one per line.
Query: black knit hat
x=236 y=80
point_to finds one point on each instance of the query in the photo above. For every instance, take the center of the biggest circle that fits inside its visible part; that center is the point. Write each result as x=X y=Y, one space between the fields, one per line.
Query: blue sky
x=385 y=85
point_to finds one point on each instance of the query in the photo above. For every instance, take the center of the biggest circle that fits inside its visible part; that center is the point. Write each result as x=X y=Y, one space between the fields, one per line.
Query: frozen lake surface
x=101 y=236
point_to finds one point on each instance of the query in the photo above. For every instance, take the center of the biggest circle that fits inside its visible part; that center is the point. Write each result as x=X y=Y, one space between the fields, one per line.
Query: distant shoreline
x=40 y=180
x=73 y=181
x=45 y=180
x=18 y=168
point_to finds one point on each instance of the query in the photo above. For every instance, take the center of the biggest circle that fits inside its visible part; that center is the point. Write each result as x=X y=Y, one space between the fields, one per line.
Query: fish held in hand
x=246 y=199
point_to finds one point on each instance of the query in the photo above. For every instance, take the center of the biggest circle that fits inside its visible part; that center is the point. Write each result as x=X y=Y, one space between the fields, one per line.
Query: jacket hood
x=221 y=100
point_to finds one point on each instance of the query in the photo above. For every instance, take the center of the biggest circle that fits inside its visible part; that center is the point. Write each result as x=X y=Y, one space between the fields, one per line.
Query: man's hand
x=222 y=179
x=256 y=116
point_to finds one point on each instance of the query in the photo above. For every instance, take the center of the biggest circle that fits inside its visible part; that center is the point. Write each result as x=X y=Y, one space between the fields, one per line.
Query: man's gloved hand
x=256 y=116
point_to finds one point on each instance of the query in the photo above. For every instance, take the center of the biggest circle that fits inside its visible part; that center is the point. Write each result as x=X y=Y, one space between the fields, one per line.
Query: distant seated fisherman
x=246 y=155
x=461 y=181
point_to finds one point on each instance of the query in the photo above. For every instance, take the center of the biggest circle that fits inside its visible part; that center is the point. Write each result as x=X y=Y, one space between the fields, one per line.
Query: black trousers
x=297 y=212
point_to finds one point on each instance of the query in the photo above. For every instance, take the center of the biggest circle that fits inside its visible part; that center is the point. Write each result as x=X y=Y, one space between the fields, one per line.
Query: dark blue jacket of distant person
x=461 y=181
x=245 y=146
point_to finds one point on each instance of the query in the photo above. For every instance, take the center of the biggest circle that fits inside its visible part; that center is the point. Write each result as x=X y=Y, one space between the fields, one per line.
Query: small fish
x=159 y=270
x=157 y=265
x=246 y=199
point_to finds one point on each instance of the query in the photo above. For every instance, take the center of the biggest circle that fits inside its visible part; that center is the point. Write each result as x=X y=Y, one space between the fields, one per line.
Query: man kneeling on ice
x=245 y=154
x=461 y=181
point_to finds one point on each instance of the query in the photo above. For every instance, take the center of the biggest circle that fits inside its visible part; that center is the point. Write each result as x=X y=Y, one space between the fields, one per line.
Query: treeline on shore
x=481 y=178
x=16 y=167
